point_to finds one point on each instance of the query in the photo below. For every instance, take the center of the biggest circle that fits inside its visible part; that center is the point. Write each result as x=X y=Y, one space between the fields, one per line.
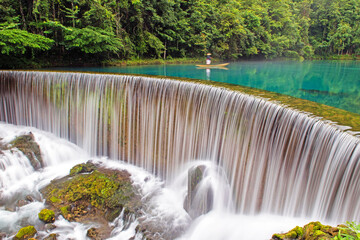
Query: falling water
x=275 y=160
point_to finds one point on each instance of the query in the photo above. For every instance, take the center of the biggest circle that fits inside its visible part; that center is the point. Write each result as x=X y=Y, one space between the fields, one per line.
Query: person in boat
x=208 y=58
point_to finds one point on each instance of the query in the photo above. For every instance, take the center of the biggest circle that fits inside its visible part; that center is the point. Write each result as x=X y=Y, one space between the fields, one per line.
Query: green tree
x=92 y=40
x=17 y=41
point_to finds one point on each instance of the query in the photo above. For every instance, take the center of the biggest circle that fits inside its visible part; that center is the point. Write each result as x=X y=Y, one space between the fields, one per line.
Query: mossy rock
x=27 y=145
x=295 y=233
x=52 y=236
x=314 y=231
x=96 y=187
x=82 y=168
x=92 y=193
x=47 y=216
x=25 y=233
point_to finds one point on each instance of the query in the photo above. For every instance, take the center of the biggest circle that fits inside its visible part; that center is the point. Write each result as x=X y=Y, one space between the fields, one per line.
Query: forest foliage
x=93 y=30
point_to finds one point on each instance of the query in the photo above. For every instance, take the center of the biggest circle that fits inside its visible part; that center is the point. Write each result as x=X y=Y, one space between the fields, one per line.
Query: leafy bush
x=16 y=41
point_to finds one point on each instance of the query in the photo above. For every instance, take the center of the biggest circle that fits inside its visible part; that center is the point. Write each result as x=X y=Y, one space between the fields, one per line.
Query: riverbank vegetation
x=58 y=32
x=318 y=231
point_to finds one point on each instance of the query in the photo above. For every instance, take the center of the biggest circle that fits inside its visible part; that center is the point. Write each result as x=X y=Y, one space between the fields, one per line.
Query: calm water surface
x=334 y=83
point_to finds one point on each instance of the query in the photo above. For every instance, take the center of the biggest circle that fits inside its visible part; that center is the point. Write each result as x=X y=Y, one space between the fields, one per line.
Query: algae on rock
x=47 y=216
x=92 y=193
x=27 y=145
x=314 y=231
x=25 y=233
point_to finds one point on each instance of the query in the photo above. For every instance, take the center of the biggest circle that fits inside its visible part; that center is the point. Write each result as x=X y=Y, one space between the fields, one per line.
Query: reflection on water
x=334 y=83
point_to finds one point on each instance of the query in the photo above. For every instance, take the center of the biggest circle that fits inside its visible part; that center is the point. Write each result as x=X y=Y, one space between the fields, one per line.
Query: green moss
x=294 y=233
x=299 y=231
x=54 y=199
x=64 y=211
x=82 y=168
x=76 y=169
x=98 y=188
x=92 y=190
x=47 y=216
x=291 y=234
x=27 y=145
x=278 y=236
x=25 y=233
x=318 y=233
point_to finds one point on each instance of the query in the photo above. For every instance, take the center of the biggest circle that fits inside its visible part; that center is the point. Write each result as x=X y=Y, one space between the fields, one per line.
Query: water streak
x=276 y=160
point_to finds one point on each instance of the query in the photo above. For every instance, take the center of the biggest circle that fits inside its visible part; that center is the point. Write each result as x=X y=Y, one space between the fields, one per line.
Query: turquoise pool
x=334 y=83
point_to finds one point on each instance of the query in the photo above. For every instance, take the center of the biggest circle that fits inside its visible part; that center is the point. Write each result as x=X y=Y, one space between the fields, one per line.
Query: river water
x=333 y=83
x=270 y=168
x=18 y=179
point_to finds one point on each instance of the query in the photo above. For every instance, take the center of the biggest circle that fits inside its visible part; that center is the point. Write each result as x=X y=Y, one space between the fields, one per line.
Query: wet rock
x=22 y=203
x=47 y=216
x=2 y=146
x=314 y=231
x=52 y=236
x=27 y=145
x=93 y=234
x=152 y=230
x=49 y=226
x=198 y=201
x=2 y=235
x=25 y=233
x=29 y=198
x=92 y=193
x=10 y=208
x=83 y=168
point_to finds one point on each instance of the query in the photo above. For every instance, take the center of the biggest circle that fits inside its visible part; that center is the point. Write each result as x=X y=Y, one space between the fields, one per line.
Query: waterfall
x=276 y=160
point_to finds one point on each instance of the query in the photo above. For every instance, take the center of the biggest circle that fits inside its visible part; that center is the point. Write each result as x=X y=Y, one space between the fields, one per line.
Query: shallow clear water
x=334 y=83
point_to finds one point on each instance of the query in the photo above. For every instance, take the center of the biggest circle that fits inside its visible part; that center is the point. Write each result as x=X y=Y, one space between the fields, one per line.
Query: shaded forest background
x=63 y=31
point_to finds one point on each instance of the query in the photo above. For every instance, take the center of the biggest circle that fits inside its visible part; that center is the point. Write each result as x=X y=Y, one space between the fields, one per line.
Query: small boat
x=222 y=65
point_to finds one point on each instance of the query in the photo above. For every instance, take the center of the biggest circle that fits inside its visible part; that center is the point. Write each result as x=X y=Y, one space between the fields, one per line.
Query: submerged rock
x=52 y=236
x=2 y=147
x=25 y=233
x=2 y=235
x=49 y=227
x=315 y=231
x=93 y=194
x=198 y=202
x=27 y=145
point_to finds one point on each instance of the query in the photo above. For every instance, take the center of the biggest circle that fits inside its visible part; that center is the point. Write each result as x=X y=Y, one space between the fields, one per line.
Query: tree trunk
x=22 y=15
x=165 y=51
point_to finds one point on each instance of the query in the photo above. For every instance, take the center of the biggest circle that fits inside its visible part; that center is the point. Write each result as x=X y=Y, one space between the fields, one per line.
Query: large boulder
x=199 y=199
x=315 y=231
x=92 y=193
x=27 y=145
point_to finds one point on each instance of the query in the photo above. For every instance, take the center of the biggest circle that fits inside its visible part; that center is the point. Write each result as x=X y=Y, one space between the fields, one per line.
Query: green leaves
x=229 y=29
x=154 y=43
x=16 y=41
x=92 y=40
